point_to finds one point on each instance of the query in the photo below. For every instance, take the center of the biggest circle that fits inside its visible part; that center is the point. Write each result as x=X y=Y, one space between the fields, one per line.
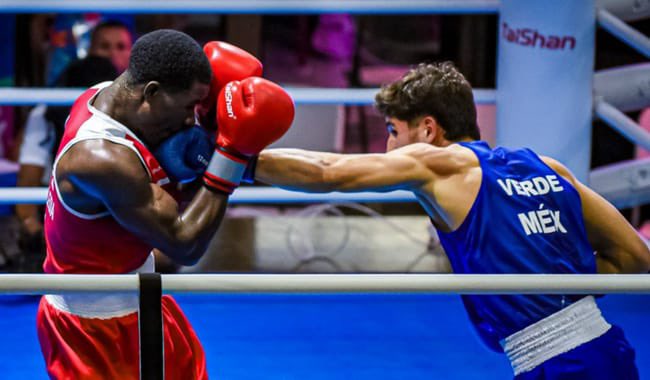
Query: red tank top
x=82 y=243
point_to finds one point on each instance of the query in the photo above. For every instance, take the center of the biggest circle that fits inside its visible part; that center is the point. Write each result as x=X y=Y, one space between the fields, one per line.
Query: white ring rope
x=22 y=195
x=623 y=124
x=624 y=184
x=60 y=96
x=334 y=283
x=625 y=87
x=272 y=195
x=624 y=32
x=247 y=195
x=252 y=6
x=626 y=10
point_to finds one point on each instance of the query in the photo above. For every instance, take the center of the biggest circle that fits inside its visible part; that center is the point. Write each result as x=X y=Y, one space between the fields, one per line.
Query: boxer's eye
x=391 y=129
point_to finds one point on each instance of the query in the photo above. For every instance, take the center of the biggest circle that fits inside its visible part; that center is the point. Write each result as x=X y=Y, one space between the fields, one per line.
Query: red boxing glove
x=251 y=114
x=228 y=63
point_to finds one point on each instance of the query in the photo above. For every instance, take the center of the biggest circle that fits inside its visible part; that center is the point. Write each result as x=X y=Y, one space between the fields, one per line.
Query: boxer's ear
x=150 y=90
x=429 y=129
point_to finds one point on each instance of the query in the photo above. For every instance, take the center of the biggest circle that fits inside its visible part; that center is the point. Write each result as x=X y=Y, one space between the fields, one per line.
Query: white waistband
x=100 y=305
x=558 y=333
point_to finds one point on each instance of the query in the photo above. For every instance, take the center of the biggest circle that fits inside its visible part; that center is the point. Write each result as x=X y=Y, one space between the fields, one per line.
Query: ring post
x=544 y=79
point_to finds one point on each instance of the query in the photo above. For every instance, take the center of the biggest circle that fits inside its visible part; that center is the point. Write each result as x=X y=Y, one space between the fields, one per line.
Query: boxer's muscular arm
x=619 y=248
x=303 y=170
x=114 y=177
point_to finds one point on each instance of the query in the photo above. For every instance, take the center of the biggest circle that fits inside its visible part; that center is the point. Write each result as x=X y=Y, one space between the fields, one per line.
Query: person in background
x=108 y=56
x=112 y=40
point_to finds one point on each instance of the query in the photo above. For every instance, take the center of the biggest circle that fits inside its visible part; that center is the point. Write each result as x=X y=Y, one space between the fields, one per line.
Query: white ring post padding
x=623 y=124
x=544 y=79
x=36 y=95
x=626 y=88
x=252 y=6
x=334 y=283
x=243 y=195
x=624 y=32
x=626 y=10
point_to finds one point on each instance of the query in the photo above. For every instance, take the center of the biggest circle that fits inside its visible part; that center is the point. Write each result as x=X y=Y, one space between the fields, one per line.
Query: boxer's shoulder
x=442 y=161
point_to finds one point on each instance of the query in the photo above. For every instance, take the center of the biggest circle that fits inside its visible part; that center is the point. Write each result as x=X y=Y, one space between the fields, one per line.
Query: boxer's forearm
x=303 y=170
x=295 y=169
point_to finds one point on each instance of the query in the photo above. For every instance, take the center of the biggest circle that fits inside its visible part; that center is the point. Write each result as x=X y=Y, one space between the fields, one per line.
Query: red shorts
x=93 y=348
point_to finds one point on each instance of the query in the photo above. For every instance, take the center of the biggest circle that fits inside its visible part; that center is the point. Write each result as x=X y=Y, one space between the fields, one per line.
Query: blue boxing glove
x=185 y=155
x=249 y=172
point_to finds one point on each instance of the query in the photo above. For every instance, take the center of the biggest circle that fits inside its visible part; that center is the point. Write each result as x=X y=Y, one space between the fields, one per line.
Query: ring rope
x=625 y=126
x=253 y=6
x=243 y=195
x=624 y=32
x=20 y=96
x=335 y=283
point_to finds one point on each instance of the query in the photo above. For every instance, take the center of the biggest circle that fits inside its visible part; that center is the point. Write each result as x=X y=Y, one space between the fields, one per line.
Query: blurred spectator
x=644 y=122
x=75 y=36
x=109 y=54
x=112 y=39
x=335 y=36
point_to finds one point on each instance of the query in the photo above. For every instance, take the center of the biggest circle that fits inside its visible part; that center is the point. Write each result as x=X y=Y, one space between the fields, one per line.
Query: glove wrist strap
x=224 y=172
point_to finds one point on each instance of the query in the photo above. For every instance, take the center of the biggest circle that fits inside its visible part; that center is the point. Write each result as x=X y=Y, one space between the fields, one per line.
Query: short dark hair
x=438 y=90
x=106 y=25
x=170 y=57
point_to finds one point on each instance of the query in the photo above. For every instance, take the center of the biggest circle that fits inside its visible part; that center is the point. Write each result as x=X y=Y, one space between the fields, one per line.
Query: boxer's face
x=171 y=111
x=113 y=43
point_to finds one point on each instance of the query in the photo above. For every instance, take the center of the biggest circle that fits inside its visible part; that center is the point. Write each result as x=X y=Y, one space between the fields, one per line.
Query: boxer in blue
x=496 y=211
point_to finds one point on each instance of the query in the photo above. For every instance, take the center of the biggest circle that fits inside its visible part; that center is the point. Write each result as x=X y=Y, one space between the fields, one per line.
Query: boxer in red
x=108 y=205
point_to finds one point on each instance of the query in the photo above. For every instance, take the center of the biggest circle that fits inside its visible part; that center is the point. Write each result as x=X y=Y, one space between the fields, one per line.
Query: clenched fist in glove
x=185 y=155
x=228 y=63
x=251 y=114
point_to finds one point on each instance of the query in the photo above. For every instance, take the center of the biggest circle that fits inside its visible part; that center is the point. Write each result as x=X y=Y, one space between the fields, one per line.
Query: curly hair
x=438 y=90
x=170 y=57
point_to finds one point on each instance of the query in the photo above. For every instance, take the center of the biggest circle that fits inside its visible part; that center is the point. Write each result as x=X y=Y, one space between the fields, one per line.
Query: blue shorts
x=607 y=357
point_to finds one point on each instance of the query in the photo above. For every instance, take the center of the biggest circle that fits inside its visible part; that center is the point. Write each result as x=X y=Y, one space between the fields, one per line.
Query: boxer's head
x=168 y=75
x=431 y=103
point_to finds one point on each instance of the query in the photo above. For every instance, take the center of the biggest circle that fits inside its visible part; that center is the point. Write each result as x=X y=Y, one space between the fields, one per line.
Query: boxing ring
x=369 y=326
x=366 y=326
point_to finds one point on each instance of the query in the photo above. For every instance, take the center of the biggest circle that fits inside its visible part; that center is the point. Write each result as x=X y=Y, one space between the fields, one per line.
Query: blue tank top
x=526 y=218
